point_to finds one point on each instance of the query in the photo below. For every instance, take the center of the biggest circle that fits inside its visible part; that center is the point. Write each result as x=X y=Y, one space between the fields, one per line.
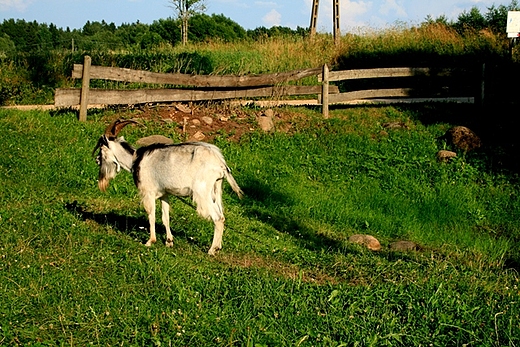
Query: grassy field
x=74 y=272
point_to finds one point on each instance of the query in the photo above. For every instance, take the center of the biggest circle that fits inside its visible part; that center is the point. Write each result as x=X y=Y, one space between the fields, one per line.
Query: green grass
x=74 y=272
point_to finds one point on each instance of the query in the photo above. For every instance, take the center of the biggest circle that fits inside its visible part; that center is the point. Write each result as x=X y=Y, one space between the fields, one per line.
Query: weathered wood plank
x=386 y=72
x=214 y=81
x=383 y=93
x=70 y=97
x=366 y=94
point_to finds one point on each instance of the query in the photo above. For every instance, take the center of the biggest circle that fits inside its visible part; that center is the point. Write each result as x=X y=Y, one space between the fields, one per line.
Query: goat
x=194 y=169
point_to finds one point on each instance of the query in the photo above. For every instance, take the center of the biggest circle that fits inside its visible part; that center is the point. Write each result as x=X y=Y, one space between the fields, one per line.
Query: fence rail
x=475 y=92
x=272 y=86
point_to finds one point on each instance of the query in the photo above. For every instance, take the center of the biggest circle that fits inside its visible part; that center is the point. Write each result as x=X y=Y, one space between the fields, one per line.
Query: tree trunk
x=184 y=31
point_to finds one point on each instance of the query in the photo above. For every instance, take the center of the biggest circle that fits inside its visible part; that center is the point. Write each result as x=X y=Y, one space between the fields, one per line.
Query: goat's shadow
x=136 y=228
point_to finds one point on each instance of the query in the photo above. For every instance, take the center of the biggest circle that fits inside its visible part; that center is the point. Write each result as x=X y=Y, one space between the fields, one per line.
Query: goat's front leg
x=217 y=237
x=165 y=206
x=149 y=206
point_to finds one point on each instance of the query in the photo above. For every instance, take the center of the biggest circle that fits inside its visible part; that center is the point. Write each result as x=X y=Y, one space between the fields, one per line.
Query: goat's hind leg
x=216 y=245
x=149 y=206
x=165 y=207
x=217 y=215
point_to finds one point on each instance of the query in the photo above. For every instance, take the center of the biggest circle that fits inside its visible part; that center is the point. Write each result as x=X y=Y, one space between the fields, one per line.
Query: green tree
x=206 y=27
x=496 y=17
x=185 y=9
x=472 y=20
x=168 y=29
x=6 y=45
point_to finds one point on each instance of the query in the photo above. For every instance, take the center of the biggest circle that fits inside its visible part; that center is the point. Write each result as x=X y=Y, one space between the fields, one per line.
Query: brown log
x=70 y=97
x=214 y=81
x=385 y=72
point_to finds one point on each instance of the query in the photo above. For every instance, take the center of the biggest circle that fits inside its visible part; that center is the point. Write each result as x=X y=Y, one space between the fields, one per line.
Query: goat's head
x=113 y=153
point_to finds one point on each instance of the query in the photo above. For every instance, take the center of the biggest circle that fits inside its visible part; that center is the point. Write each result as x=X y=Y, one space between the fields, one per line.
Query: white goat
x=194 y=169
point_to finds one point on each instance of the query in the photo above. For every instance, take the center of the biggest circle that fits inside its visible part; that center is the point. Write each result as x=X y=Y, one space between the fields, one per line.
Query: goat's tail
x=233 y=183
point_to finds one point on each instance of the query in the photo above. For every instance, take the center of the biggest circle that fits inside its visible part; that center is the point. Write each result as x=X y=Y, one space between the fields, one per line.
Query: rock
x=182 y=108
x=463 y=138
x=368 y=241
x=195 y=122
x=265 y=120
x=395 y=125
x=207 y=120
x=445 y=156
x=198 y=136
x=404 y=246
x=148 y=140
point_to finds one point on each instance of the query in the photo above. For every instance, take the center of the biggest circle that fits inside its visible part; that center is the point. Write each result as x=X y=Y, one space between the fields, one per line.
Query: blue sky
x=249 y=14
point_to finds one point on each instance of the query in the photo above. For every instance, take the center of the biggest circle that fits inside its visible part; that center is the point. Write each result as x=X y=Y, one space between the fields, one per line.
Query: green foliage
x=6 y=46
x=73 y=270
x=215 y=27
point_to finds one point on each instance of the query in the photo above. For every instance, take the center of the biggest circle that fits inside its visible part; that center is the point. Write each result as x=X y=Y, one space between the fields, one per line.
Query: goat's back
x=178 y=168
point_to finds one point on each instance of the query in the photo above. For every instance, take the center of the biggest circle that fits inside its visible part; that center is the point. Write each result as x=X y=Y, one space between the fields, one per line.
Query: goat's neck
x=124 y=154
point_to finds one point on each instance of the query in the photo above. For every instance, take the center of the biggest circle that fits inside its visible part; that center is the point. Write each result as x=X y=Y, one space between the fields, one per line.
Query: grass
x=74 y=272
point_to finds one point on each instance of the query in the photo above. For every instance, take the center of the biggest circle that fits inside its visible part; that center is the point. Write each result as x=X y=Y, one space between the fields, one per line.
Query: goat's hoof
x=149 y=243
x=213 y=251
x=169 y=243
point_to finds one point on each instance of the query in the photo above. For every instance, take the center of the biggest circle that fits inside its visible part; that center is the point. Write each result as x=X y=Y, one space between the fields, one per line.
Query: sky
x=250 y=14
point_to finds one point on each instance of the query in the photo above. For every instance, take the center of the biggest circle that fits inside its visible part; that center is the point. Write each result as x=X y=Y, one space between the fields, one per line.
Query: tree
x=215 y=27
x=472 y=20
x=185 y=9
x=497 y=16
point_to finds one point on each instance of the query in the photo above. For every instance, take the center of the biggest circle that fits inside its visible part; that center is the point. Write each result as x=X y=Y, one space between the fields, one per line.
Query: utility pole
x=314 y=17
x=335 y=19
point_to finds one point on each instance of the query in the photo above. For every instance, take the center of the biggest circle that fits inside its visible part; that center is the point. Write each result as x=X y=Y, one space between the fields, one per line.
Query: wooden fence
x=463 y=85
x=211 y=87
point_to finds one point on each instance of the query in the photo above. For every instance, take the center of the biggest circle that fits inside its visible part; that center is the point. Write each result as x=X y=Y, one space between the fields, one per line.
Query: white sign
x=513 y=24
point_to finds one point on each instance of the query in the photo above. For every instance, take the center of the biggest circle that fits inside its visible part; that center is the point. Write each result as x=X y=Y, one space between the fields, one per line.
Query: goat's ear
x=103 y=141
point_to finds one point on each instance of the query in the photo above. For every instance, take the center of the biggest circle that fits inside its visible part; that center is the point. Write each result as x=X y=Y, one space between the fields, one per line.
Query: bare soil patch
x=205 y=122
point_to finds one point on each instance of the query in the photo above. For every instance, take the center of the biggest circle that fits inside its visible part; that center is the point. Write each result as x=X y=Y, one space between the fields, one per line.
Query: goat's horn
x=113 y=129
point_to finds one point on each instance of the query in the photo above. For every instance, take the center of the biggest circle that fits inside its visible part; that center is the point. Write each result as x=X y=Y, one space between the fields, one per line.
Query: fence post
x=483 y=85
x=325 y=91
x=85 y=85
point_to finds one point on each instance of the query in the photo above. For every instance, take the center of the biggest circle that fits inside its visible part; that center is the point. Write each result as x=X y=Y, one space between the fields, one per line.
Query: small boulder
x=148 y=140
x=207 y=120
x=265 y=120
x=368 y=241
x=395 y=125
x=463 y=138
x=445 y=156
x=198 y=136
x=182 y=108
x=404 y=246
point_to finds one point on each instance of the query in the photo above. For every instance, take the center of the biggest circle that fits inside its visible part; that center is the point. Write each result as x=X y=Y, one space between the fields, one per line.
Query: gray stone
x=404 y=246
x=265 y=120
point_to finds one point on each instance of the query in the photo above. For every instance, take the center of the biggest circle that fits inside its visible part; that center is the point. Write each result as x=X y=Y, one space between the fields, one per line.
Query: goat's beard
x=103 y=184
x=105 y=175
